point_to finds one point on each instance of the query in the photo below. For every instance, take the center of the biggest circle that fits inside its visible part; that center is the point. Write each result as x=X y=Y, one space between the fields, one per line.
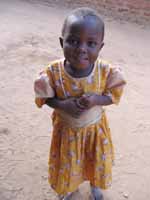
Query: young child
x=78 y=87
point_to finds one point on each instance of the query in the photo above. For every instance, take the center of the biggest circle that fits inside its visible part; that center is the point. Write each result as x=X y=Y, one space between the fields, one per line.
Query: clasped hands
x=76 y=106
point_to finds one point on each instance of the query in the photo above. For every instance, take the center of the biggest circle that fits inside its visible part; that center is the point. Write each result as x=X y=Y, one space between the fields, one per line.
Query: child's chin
x=83 y=65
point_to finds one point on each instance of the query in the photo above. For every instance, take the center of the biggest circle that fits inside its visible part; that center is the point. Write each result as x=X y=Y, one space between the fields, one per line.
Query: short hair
x=84 y=12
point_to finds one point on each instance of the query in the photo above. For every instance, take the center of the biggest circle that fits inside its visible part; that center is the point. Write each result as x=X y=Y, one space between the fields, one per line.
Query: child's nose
x=83 y=47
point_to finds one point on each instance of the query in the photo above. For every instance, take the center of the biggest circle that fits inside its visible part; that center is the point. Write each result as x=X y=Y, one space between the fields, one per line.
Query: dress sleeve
x=115 y=83
x=43 y=87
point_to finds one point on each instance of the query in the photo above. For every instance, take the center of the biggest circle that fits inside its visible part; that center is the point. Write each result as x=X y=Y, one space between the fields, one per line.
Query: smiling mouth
x=81 y=58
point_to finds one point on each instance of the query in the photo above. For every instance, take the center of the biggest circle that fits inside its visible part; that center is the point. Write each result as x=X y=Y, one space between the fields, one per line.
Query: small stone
x=126 y=195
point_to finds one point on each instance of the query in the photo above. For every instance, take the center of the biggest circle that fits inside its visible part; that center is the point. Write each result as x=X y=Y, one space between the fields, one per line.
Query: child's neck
x=78 y=73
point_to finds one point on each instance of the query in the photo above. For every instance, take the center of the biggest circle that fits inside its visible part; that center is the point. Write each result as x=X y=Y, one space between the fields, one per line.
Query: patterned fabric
x=86 y=153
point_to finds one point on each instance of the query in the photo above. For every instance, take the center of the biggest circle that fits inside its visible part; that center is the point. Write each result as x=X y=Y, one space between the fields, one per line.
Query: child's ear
x=61 y=41
x=102 y=45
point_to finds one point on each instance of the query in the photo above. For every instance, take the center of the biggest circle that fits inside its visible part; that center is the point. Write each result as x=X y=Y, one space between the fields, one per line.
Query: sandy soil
x=28 y=41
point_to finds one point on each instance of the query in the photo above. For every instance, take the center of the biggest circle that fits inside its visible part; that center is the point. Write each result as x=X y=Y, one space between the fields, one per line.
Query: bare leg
x=97 y=193
x=66 y=197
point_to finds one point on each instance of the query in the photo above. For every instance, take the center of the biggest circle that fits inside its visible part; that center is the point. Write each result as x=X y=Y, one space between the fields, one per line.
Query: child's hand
x=70 y=106
x=87 y=101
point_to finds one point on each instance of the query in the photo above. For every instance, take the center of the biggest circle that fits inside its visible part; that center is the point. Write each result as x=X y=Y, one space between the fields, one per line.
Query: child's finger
x=80 y=105
x=85 y=100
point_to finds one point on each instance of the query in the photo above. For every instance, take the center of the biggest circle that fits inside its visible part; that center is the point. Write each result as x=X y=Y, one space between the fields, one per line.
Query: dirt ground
x=28 y=41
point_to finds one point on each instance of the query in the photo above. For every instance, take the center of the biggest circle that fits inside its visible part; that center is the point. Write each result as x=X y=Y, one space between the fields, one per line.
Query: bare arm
x=103 y=100
x=68 y=105
x=89 y=100
x=54 y=103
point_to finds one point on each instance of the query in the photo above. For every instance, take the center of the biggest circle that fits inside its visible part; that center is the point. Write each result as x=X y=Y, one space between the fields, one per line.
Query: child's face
x=82 y=42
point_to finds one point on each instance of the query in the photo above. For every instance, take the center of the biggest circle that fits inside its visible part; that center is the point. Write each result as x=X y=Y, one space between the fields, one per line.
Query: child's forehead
x=76 y=23
x=81 y=20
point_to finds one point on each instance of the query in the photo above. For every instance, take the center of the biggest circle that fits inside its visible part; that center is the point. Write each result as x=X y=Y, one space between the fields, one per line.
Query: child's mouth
x=82 y=59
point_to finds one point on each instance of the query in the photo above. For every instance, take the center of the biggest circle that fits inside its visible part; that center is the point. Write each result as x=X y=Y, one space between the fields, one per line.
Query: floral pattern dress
x=80 y=153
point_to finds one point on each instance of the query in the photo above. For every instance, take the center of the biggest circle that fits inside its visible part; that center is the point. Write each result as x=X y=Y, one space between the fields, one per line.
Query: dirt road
x=28 y=41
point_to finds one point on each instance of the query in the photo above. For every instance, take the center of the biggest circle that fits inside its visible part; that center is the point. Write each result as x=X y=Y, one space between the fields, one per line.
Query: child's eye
x=92 y=44
x=74 y=42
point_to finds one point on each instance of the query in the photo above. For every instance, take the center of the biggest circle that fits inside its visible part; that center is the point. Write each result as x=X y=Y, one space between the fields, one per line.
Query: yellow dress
x=80 y=153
